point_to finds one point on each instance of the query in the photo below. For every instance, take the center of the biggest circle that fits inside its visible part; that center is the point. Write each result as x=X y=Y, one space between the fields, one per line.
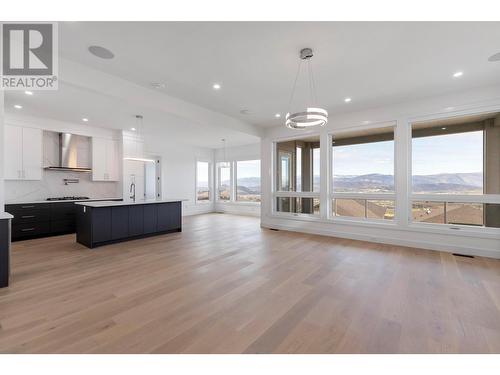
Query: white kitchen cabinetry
x=22 y=153
x=105 y=159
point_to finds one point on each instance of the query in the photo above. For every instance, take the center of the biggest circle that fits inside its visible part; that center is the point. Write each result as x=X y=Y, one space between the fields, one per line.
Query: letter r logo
x=27 y=49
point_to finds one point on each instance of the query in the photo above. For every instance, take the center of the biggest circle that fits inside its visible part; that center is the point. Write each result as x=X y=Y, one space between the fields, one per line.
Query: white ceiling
x=374 y=63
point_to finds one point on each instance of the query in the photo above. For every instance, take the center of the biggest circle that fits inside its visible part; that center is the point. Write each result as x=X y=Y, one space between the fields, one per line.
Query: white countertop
x=69 y=200
x=122 y=203
x=5 y=215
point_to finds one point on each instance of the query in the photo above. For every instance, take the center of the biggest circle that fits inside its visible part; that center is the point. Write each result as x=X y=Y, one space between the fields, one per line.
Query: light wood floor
x=225 y=285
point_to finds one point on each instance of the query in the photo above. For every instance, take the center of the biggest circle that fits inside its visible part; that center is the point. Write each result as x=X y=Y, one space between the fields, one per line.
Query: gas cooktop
x=68 y=199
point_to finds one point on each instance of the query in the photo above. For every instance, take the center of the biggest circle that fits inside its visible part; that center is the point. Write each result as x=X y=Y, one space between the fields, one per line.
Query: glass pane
x=298 y=183
x=248 y=181
x=428 y=212
x=364 y=168
x=448 y=164
x=202 y=181
x=363 y=208
x=464 y=213
x=316 y=168
x=298 y=205
x=380 y=209
x=224 y=183
x=284 y=182
x=349 y=207
x=298 y=165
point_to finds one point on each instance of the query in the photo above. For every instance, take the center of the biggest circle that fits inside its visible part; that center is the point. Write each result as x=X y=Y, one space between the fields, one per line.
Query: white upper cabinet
x=105 y=159
x=32 y=154
x=22 y=153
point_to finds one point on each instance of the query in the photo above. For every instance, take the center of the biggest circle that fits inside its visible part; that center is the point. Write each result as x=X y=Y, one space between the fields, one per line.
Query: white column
x=324 y=174
x=402 y=159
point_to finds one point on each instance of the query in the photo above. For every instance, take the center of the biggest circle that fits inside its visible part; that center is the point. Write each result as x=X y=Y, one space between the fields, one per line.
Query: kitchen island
x=106 y=222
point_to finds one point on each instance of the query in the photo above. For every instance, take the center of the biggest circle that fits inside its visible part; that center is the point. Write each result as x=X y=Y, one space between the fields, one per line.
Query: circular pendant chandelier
x=311 y=116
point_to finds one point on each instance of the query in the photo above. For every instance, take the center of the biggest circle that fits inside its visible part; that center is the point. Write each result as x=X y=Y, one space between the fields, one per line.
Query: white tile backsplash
x=52 y=185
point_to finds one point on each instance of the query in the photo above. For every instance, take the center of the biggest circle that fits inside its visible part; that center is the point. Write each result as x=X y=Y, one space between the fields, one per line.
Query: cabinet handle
x=27 y=216
x=27 y=229
x=27 y=206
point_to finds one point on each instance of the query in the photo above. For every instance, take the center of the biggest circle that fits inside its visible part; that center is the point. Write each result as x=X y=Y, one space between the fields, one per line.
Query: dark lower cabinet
x=136 y=220
x=30 y=229
x=98 y=226
x=4 y=252
x=169 y=216
x=42 y=219
x=150 y=218
x=101 y=223
x=119 y=222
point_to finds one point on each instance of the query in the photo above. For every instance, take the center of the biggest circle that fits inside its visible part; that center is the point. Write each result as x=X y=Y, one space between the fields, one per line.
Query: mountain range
x=436 y=183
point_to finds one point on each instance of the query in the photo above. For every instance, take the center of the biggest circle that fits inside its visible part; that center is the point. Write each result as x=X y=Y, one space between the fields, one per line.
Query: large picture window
x=363 y=174
x=224 y=182
x=455 y=171
x=202 y=181
x=248 y=181
x=297 y=176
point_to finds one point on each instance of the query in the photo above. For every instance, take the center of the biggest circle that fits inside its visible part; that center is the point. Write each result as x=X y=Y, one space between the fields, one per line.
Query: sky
x=250 y=168
x=365 y=158
x=452 y=153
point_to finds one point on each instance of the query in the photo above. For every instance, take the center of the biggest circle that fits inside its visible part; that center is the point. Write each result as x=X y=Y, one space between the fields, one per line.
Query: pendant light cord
x=312 y=85
x=294 y=86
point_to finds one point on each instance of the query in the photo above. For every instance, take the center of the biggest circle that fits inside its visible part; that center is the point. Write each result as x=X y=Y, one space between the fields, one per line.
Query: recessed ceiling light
x=158 y=85
x=277 y=115
x=101 y=52
x=133 y=129
x=17 y=106
x=495 y=57
x=347 y=100
x=85 y=119
x=216 y=86
x=366 y=122
x=28 y=92
x=458 y=74
x=444 y=128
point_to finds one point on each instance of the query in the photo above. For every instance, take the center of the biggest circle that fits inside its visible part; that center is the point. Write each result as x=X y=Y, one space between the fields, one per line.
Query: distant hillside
x=444 y=182
x=246 y=185
x=437 y=183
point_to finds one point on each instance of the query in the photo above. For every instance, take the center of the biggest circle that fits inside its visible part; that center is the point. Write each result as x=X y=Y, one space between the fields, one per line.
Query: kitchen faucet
x=132 y=187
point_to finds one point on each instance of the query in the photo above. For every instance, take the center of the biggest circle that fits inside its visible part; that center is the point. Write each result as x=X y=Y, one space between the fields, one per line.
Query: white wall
x=403 y=232
x=247 y=152
x=1 y=153
x=51 y=184
x=178 y=171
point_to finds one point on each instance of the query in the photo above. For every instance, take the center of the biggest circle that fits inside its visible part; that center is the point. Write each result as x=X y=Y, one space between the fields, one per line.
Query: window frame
x=210 y=182
x=412 y=197
x=363 y=196
x=234 y=197
x=292 y=194
x=217 y=182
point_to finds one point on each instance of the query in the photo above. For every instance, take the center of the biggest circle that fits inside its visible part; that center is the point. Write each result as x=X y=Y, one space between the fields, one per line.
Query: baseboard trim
x=426 y=245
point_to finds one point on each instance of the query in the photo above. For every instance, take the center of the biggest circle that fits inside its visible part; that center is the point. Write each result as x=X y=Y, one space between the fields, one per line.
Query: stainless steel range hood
x=74 y=153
